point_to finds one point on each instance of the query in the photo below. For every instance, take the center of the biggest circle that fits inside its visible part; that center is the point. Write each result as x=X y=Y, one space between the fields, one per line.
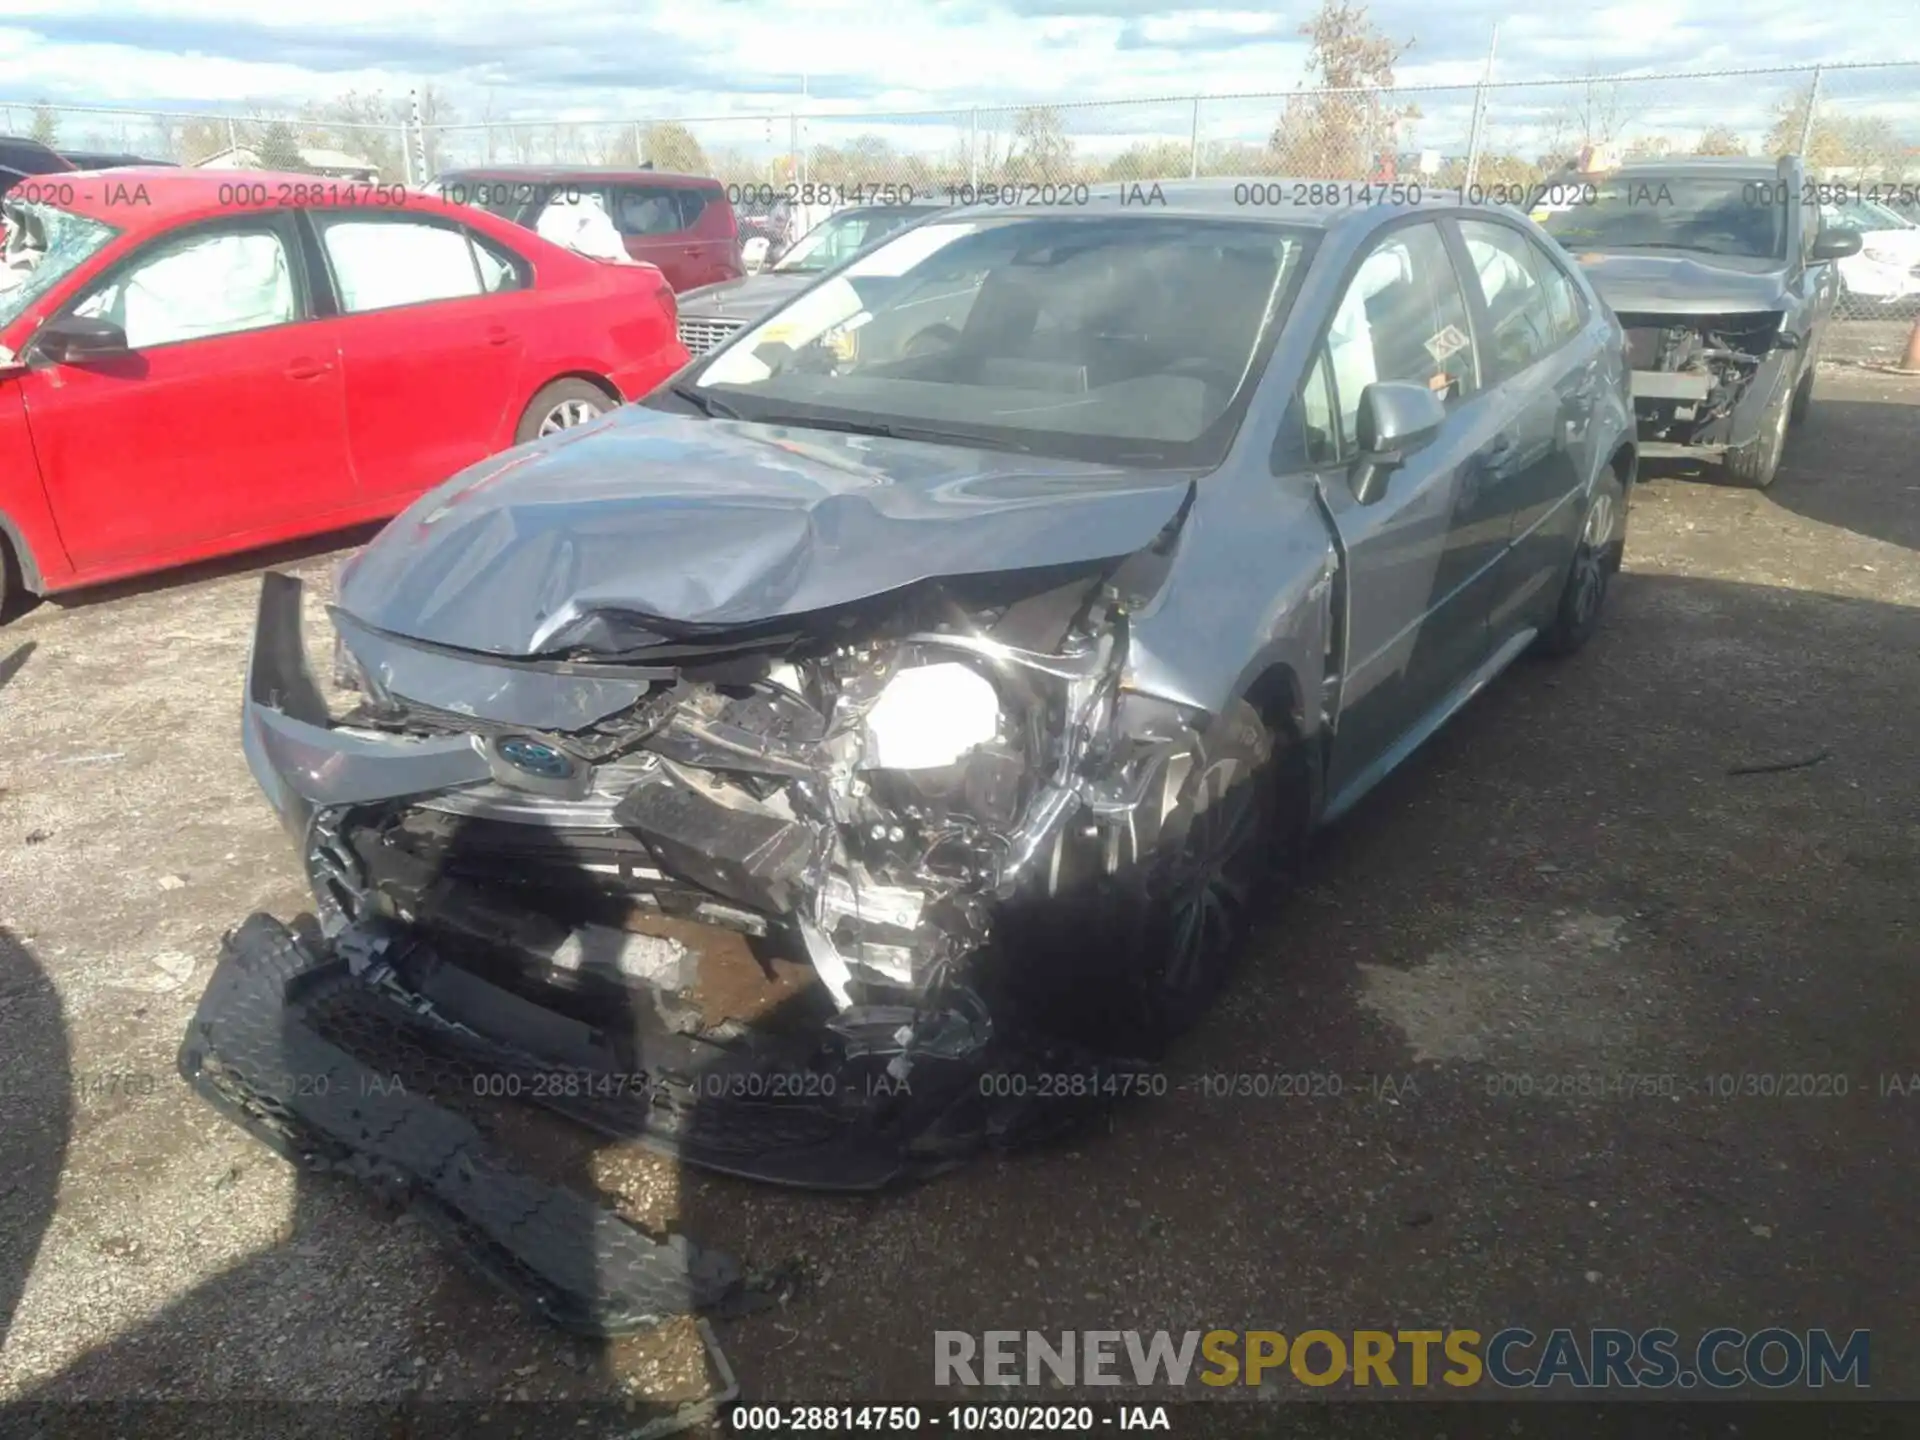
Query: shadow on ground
x=36 y=1113
x=291 y=552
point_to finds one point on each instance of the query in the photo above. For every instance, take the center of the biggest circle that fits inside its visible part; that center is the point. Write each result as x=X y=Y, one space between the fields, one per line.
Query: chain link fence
x=1858 y=125
x=354 y=137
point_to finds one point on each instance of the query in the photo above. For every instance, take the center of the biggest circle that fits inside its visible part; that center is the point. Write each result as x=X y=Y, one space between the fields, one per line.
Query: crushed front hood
x=702 y=523
x=1678 y=284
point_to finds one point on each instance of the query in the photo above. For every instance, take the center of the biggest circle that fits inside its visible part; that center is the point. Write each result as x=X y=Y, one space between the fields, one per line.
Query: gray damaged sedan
x=982 y=682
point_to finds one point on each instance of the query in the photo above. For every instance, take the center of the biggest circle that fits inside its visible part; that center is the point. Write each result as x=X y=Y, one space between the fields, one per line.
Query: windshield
x=43 y=244
x=1865 y=215
x=1711 y=214
x=839 y=238
x=1128 y=341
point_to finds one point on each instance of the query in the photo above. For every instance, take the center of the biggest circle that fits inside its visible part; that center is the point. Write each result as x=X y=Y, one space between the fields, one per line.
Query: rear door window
x=1518 y=303
x=652 y=210
x=383 y=264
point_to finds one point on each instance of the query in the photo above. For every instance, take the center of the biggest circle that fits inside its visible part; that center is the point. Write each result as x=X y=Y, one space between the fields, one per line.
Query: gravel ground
x=1568 y=881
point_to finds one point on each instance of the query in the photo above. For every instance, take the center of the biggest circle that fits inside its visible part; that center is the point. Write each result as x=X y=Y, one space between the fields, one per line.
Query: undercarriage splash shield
x=332 y=1055
x=252 y=1053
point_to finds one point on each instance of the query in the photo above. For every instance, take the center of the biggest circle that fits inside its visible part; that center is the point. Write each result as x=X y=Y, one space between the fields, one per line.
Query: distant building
x=334 y=164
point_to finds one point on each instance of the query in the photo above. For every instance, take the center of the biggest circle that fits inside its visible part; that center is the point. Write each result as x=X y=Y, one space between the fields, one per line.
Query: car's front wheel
x=1802 y=397
x=1758 y=461
x=1179 y=938
x=1596 y=560
x=561 y=406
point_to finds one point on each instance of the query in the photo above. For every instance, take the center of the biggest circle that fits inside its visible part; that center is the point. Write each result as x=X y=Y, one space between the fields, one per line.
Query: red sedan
x=194 y=363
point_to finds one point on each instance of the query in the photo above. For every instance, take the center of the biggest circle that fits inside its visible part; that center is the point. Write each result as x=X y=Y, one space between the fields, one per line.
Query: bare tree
x=1165 y=160
x=46 y=124
x=1835 y=142
x=672 y=146
x=198 y=141
x=1591 y=116
x=1346 y=132
x=1720 y=140
x=1041 y=149
x=280 y=148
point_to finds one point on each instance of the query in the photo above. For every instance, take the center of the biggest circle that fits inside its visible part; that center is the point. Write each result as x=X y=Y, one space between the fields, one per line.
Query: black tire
x=563 y=398
x=1181 y=923
x=1755 y=463
x=1802 y=397
x=10 y=587
x=1596 y=560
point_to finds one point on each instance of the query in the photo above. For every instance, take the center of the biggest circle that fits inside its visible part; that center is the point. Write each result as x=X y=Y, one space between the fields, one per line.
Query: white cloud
x=570 y=59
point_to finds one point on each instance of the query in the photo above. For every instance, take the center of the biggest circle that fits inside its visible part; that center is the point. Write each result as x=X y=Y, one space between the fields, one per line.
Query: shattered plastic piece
x=251 y=1052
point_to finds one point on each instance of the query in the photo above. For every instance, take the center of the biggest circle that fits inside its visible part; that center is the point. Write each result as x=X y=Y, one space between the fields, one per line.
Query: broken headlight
x=929 y=716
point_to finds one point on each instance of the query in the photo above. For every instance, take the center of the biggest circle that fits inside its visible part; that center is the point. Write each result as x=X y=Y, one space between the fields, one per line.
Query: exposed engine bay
x=876 y=797
x=1692 y=373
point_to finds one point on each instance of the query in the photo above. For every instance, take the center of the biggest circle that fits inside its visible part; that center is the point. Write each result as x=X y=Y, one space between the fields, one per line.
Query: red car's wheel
x=561 y=406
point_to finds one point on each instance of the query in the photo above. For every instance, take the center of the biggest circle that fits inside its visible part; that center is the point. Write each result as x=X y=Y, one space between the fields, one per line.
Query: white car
x=1887 y=269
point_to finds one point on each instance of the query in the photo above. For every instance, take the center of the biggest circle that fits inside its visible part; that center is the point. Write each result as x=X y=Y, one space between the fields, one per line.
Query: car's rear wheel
x=10 y=587
x=1596 y=559
x=1758 y=461
x=563 y=405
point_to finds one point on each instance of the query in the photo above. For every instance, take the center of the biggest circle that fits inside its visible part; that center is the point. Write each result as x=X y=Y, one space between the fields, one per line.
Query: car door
x=432 y=338
x=1815 y=284
x=224 y=420
x=653 y=220
x=1542 y=389
x=1415 y=625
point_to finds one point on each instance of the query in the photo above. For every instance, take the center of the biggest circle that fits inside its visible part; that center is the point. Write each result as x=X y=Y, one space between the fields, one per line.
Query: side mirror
x=1396 y=416
x=73 y=340
x=1835 y=244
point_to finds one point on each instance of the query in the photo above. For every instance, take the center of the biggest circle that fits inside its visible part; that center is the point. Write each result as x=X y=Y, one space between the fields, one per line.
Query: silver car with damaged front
x=988 y=620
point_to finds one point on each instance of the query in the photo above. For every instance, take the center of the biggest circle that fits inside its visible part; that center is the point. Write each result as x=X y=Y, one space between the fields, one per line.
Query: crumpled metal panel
x=698 y=523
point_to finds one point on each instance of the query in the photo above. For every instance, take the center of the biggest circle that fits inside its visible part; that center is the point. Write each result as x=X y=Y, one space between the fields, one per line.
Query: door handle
x=305 y=369
x=691 y=250
x=498 y=335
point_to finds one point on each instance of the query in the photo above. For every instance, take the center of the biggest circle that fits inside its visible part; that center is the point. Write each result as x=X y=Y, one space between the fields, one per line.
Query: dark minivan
x=682 y=224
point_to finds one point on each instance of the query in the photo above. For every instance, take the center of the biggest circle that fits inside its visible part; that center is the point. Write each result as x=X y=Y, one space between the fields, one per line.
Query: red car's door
x=223 y=420
x=433 y=323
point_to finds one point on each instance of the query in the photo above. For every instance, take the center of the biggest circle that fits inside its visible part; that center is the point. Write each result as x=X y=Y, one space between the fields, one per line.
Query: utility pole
x=1479 y=115
x=1806 y=124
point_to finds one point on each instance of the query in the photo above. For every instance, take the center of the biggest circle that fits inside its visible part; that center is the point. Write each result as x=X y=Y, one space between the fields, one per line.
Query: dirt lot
x=1570 y=881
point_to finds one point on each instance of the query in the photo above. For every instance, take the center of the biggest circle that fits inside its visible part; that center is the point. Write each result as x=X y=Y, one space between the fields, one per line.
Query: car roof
x=558 y=174
x=1753 y=167
x=174 y=193
x=18 y=151
x=1258 y=199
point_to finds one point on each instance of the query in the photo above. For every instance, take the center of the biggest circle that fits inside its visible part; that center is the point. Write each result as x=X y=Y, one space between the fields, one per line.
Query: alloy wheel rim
x=1591 y=562
x=1210 y=890
x=568 y=414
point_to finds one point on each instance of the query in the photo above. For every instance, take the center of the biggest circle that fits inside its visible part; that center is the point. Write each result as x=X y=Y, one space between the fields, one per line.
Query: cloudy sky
x=655 y=59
